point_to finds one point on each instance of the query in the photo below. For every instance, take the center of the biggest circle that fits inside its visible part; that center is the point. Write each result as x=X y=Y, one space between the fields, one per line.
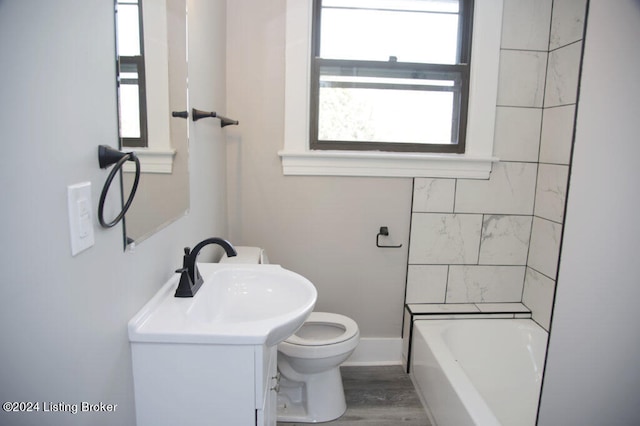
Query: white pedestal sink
x=211 y=359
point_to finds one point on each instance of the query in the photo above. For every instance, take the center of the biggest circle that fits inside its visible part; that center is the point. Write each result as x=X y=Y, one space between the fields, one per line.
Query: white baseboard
x=376 y=351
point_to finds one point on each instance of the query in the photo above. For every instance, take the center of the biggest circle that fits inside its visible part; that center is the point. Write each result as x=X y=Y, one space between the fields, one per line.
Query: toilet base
x=320 y=398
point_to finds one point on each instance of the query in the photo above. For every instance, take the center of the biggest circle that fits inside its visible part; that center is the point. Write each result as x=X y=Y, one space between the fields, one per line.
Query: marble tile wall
x=560 y=97
x=498 y=240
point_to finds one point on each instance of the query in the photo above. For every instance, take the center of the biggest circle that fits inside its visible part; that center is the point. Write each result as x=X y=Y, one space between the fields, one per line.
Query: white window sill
x=152 y=160
x=385 y=164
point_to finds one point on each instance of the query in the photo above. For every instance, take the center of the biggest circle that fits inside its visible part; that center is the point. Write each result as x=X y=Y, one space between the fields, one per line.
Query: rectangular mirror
x=152 y=84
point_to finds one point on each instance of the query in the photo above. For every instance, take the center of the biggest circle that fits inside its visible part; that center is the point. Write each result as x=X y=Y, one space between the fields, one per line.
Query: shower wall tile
x=445 y=238
x=517 y=134
x=426 y=283
x=562 y=75
x=433 y=195
x=521 y=78
x=468 y=284
x=505 y=240
x=498 y=240
x=538 y=296
x=525 y=24
x=509 y=190
x=567 y=23
x=551 y=191
x=557 y=134
x=545 y=246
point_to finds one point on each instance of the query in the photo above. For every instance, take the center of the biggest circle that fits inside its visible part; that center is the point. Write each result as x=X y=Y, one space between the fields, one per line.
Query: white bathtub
x=482 y=372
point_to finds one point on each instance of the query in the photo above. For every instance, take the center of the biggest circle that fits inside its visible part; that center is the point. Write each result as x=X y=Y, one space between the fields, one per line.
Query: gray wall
x=592 y=375
x=64 y=335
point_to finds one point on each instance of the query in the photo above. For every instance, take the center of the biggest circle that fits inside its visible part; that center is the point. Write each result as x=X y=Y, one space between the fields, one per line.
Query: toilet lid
x=322 y=328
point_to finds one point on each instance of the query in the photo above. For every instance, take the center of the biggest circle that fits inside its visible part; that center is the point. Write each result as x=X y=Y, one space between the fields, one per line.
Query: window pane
x=391 y=116
x=421 y=31
x=391 y=104
x=128 y=30
x=129 y=111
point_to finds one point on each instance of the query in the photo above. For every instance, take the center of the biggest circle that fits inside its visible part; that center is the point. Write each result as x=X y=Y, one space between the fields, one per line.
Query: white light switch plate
x=80 y=217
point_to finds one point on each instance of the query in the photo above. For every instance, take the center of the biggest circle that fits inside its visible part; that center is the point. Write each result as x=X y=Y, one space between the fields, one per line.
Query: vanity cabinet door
x=271 y=404
x=194 y=384
x=270 y=384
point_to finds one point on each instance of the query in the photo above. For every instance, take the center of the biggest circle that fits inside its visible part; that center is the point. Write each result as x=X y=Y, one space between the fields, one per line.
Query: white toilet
x=309 y=361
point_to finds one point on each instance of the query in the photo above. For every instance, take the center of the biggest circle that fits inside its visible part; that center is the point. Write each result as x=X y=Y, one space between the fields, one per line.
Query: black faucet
x=190 y=278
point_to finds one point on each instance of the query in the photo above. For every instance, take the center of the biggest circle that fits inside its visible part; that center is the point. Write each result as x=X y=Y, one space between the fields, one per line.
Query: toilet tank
x=247 y=255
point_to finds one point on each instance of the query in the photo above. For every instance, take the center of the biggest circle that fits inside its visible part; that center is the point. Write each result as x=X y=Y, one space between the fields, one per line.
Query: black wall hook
x=384 y=231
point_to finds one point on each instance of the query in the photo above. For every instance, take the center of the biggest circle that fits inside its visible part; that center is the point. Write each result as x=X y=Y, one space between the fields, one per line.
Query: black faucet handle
x=185 y=261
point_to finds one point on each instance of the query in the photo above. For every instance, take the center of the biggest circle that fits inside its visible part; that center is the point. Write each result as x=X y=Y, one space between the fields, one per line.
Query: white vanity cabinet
x=204 y=384
x=210 y=360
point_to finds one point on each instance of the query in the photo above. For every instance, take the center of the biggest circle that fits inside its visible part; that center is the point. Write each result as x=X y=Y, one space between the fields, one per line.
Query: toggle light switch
x=80 y=217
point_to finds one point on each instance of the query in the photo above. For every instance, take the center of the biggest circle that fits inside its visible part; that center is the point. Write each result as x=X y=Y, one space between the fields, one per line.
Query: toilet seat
x=346 y=329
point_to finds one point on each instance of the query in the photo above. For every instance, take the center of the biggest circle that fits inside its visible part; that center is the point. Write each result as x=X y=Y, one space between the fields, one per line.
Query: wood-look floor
x=378 y=396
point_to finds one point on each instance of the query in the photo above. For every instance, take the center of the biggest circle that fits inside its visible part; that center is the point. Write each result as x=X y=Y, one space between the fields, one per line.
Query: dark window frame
x=139 y=63
x=461 y=102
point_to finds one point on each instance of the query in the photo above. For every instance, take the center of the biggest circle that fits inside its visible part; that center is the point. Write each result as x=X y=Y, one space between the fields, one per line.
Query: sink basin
x=236 y=305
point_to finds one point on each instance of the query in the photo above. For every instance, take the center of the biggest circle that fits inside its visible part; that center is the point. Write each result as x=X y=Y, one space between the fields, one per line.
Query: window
x=397 y=81
x=463 y=151
x=131 y=74
x=145 y=62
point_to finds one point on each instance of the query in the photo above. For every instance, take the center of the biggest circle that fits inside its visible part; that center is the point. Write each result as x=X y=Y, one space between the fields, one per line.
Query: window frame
x=139 y=62
x=299 y=160
x=460 y=104
x=155 y=152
